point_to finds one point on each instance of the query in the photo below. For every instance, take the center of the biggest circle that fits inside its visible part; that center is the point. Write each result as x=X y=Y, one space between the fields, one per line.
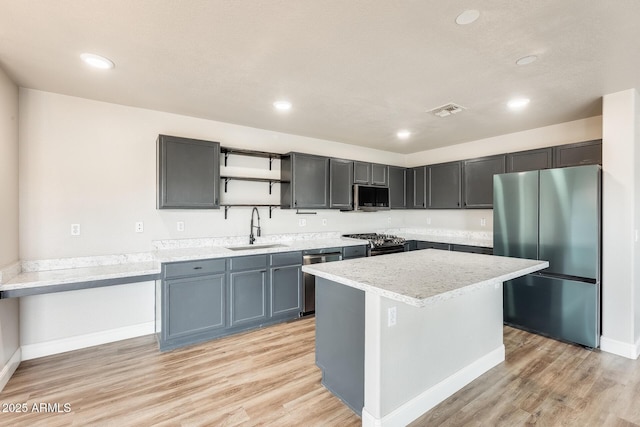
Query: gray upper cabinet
x=397 y=187
x=444 y=189
x=478 y=180
x=340 y=184
x=530 y=160
x=188 y=173
x=416 y=188
x=370 y=174
x=582 y=153
x=305 y=181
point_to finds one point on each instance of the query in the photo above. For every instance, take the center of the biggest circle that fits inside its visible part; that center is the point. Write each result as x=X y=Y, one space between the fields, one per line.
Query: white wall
x=93 y=163
x=620 y=222
x=9 y=334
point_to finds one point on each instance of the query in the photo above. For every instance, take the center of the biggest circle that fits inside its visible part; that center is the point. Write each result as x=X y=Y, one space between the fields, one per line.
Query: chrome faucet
x=251 y=237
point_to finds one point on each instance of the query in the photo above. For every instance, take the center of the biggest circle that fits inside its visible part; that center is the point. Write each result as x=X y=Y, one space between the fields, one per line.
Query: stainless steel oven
x=309 y=280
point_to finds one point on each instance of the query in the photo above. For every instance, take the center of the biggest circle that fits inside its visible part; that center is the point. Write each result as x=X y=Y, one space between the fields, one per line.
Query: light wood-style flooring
x=268 y=377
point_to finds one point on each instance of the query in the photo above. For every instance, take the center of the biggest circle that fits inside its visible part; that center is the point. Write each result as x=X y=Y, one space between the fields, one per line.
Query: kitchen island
x=399 y=333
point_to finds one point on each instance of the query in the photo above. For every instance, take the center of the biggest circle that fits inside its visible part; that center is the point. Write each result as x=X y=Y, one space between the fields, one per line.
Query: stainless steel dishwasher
x=315 y=256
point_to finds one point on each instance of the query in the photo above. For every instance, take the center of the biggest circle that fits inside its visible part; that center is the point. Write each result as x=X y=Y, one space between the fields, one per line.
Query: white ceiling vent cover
x=447 y=110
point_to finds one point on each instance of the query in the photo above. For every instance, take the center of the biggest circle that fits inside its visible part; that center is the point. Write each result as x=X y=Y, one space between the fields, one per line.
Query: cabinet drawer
x=287 y=258
x=472 y=249
x=252 y=262
x=193 y=268
x=354 y=252
x=432 y=245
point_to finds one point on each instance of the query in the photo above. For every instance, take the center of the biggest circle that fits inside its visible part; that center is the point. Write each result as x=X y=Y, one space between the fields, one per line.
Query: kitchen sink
x=249 y=247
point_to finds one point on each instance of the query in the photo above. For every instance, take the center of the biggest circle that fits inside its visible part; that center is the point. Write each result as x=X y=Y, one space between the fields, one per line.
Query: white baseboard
x=33 y=351
x=630 y=351
x=10 y=368
x=436 y=394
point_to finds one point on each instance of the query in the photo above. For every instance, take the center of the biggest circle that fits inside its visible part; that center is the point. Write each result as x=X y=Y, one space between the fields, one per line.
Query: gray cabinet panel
x=193 y=305
x=582 y=153
x=188 y=173
x=478 y=180
x=379 y=175
x=340 y=324
x=286 y=286
x=190 y=268
x=420 y=244
x=530 y=160
x=361 y=173
x=305 y=181
x=472 y=249
x=420 y=187
x=397 y=187
x=286 y=258
x=256 y=262
x=444 y=185
x=349 y=252
x=247 y=297
x=341 y=183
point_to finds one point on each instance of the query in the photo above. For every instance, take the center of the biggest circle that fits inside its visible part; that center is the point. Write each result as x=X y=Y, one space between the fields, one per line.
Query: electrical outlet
x=302 y=222
x=139 y=227
x=483 y=222
x=75 y=229
x=324 y=221
x=391 y=316
x=180 y=225
x=428 y=221
x=389 y=219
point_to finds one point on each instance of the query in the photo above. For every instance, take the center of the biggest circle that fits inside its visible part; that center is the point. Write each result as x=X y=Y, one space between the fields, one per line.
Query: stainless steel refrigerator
x=552 y=215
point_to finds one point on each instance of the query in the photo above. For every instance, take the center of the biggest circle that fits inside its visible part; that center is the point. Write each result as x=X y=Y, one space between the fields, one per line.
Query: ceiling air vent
x=447 y=110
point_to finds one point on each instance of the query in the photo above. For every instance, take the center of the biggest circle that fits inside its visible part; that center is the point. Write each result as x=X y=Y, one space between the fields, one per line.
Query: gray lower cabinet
x=444 y=185
x=478 y=180
x=206 y=299
x=420 y=244
x=188 y=173
x=397 y=187
x=472 y=249
x=350 y=252
x=340 y=184
x=530 y=160
x=286 y=284
x=305 y=181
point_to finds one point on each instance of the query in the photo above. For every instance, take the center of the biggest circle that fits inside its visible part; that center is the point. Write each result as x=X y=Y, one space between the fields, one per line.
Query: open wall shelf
x=247 y=205
x=251 y=153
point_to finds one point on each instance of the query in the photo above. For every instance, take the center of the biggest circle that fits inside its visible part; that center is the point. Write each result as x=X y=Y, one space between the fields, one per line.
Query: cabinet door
x=193 y=305
x=361 y=173
x=379 y=175
x=444 y=185
x=341 y=184
x=247 y=297
x=530 y=160
x=188 y=173
x=310 y=181
x=582 y=153
x=286 y=286
x=420 y=187
x=397 y=187
x=478 y=180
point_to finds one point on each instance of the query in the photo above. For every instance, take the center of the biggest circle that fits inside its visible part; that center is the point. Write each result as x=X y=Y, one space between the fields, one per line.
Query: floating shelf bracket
x=226 y=209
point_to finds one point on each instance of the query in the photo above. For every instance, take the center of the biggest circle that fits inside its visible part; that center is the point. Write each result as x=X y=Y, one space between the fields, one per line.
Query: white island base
x=393 y=352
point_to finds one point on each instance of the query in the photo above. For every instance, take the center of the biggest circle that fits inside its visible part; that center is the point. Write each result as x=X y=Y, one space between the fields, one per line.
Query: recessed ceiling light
x=97 y=61
x=526 y=60
x=403 y=134
x=467 y=17
x=518 y=103
x=282 y=105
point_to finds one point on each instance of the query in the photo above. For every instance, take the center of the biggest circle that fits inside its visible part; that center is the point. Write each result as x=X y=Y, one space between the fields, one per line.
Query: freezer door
x=570 y=221
x=559 y=308
x=515 y=214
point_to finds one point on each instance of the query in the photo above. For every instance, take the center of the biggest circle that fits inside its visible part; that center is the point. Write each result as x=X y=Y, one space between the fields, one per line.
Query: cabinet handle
x=197 y=268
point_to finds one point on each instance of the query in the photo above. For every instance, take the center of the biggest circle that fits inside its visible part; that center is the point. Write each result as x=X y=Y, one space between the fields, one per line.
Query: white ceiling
x=356 y=71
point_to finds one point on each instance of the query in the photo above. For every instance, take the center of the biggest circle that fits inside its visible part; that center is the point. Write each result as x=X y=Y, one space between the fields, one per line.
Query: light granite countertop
x=420 y=278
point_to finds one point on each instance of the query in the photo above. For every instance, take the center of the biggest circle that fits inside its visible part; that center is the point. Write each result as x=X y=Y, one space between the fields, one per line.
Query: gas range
x=380 y=244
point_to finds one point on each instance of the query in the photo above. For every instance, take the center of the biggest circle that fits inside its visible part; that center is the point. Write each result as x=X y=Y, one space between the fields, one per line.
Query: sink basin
x=249 y=247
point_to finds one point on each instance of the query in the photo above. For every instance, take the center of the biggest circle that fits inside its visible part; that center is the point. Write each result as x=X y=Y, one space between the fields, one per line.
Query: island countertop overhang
x=420 y=278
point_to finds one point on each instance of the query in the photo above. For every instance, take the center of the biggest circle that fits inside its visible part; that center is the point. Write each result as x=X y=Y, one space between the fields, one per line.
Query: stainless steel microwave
x=370 y=198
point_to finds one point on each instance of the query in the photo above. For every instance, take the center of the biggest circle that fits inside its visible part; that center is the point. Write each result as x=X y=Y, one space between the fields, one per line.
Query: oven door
x=383 y=250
